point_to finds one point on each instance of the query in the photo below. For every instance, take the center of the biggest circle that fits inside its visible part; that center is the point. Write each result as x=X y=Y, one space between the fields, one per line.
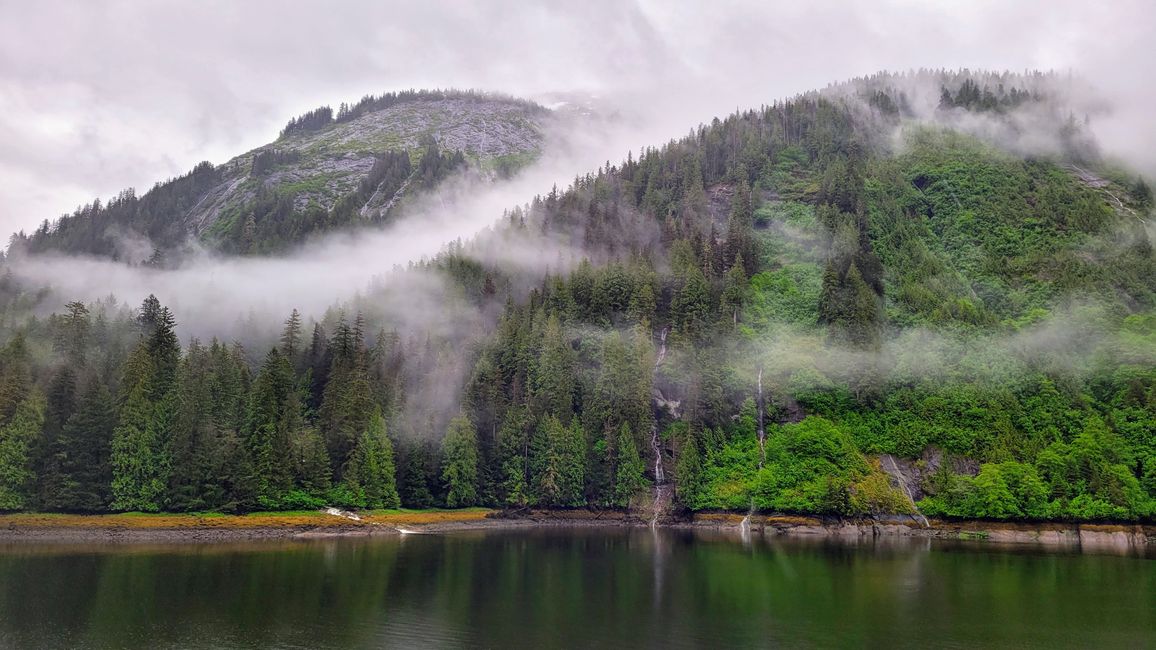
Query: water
x=571 y=588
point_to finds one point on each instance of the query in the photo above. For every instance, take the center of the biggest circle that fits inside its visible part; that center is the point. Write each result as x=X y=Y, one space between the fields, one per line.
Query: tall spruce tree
x=736 y=292
x=741 y=245
x=559 y=463
x=139 y=463
x=415 y=484
x=460 y=463
x=688 y=471
x=630 y=471
x=81 y=455
x=347 y=401
x=192 y=428
x=553 y=380
x=691 y=308
x=16 y=438
x=15 y=376
x=370 y=475
x=513 y=452
x=265 y=436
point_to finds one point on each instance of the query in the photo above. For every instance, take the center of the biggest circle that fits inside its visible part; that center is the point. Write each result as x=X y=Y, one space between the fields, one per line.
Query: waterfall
x=337 y=512
x=896 y=472
x=659 y=474
x=745 y=524
x=662 y=497
x=661 y=490
x=655 y=443
x=661 y=347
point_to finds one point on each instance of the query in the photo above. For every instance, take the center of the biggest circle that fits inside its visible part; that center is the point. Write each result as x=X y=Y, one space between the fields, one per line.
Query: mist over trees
x=768 y=305
x=325 y=173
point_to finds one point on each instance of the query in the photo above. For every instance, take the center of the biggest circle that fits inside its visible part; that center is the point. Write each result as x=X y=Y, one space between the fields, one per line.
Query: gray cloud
x=210 y=293
x=95 y=97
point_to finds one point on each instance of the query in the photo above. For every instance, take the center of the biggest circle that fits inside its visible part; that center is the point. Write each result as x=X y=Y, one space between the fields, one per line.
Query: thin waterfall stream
x=662 y=494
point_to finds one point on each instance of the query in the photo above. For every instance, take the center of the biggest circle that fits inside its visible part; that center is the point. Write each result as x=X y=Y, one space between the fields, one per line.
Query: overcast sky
x=98 y=96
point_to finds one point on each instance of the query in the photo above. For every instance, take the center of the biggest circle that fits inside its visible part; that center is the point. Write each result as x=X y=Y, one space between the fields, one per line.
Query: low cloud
x=212 y=294
x=96 y=97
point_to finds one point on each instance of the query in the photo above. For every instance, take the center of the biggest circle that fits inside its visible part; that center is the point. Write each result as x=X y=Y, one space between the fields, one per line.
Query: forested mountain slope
x=871 y=299
x=328 y=170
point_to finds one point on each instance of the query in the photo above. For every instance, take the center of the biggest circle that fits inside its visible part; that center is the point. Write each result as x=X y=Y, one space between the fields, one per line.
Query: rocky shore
x=1069 y=535
x=104 y=529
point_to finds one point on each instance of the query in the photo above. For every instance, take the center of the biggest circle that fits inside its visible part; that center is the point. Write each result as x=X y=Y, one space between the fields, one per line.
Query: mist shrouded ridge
x=942 y=269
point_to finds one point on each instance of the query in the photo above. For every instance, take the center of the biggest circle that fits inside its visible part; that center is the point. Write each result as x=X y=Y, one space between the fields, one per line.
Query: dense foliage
x=775 y=313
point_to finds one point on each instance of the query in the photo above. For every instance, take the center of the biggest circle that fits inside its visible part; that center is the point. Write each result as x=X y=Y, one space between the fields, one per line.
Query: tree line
x=787 y=239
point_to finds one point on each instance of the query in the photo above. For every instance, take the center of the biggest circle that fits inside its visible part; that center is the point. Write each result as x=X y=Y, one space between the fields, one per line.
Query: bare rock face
x=661 y=403
x=719 y=199
x=318 y=168
x=478 y=126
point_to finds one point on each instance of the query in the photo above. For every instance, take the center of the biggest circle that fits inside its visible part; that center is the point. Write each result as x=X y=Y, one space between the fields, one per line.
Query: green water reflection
x=571 y=588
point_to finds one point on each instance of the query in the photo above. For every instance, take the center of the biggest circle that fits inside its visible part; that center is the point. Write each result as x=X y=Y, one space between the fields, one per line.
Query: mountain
x=326 y=171
x=924 y=293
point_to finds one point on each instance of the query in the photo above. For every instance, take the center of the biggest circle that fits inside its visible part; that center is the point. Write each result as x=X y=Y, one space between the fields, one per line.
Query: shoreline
x=1132 y=538
x=213 y=528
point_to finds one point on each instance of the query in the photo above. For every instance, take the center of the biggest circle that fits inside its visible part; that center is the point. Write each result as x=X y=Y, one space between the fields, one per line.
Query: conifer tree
x=850 y=306
x=735 y=291
x=582 y=289
x=139 y=464
x=80 y=457
x=415 y=490
x=318 y=361
x=513 y=451
x=307 y=462
x=621 y=395
x=553 y=381
x=642 y=302
x=60 y=405
x=688 y=471
x=192 y=428
x=694 y=205
x=265 y=436
x=630 y=471
x=741 y=244
x=691 y=307
x=559 y=463
x=545 y=462
x=158 y=329
x=611 y=401
x=225 y=467
x=460 y=463
x=572 y=475
x=347 y=402
x=312 y=473
x=15 y=376
x=16 y=438
x=370 y=474
x=72 y=334
x=864 y=326
x=291 y=337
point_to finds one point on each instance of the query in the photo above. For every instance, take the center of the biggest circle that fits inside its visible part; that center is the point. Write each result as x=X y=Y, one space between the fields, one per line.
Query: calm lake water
x=571 y=588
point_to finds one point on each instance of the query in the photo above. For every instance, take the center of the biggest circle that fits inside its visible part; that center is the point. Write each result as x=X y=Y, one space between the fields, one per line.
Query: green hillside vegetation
x=894 y=287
